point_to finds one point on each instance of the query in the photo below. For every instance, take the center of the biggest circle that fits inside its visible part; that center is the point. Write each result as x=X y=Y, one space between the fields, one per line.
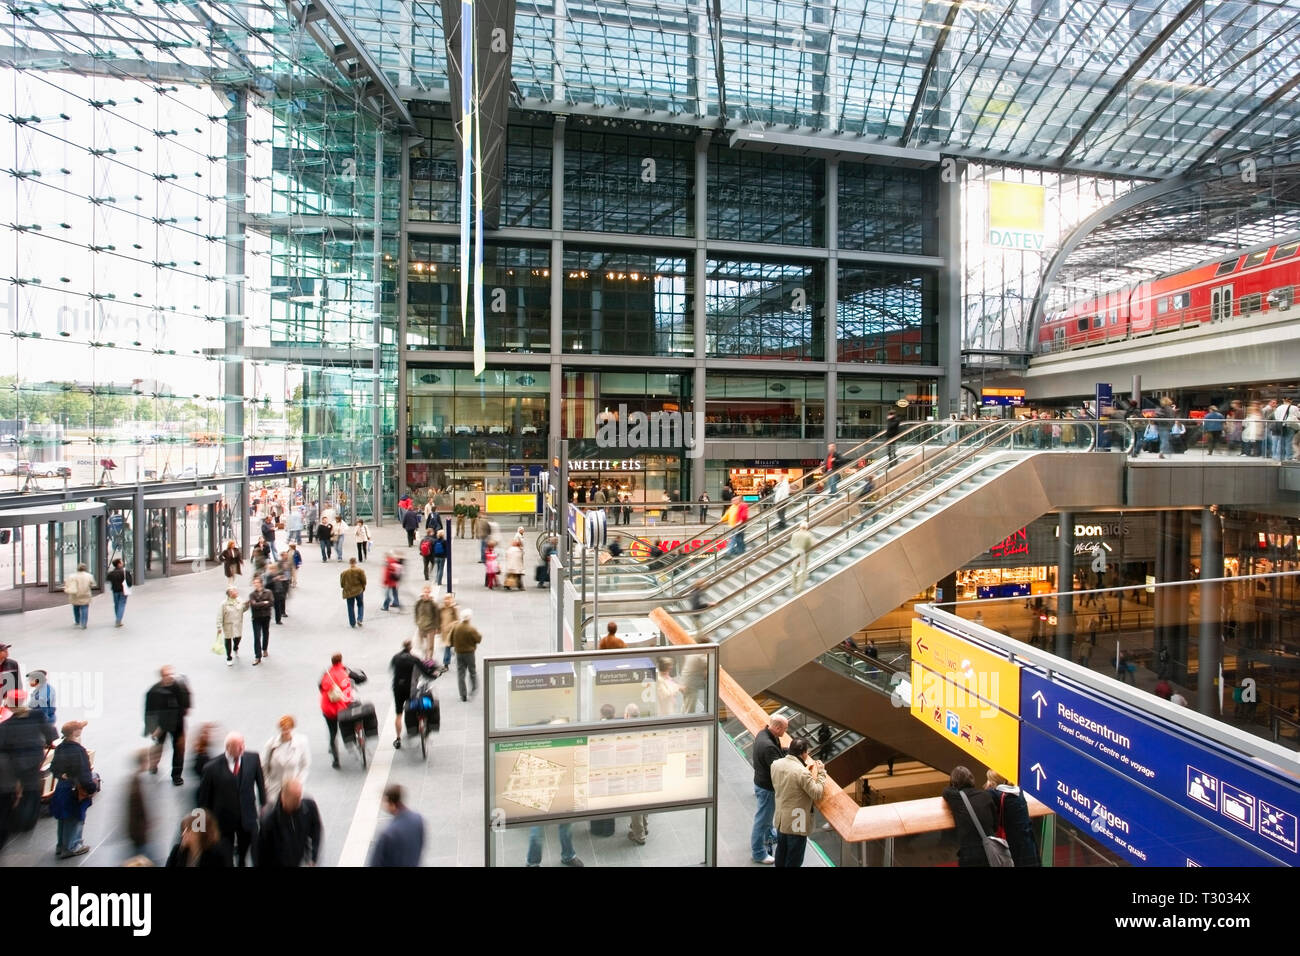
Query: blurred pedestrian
x=233 y=789
x=165 y=706
x=465 y=639
x=402 y=842
x=232 y=561
x=200 y=844
x=286 y=756
x=289 y=833
x=137 y=807
x=448 y=615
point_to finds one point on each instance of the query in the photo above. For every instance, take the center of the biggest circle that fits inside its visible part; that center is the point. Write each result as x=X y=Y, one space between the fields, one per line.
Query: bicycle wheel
x=361 y=743
x=424 y=739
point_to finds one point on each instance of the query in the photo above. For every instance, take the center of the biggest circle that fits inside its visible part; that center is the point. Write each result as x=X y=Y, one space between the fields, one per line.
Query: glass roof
x=1132 y=87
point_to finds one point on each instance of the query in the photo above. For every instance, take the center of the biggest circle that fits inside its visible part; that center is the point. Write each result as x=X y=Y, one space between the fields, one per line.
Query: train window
x=1114 y=317
x=1225 y=268
x=1287 y=251
x=1182 y=300
x=1281 y=298
x=1251 y=303
x=1254 y=259
x=1098 y=321
x=1083 y=324
x=1162 y=305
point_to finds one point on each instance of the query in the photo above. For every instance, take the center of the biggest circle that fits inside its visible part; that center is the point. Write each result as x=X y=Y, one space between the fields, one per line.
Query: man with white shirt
x=233 y=790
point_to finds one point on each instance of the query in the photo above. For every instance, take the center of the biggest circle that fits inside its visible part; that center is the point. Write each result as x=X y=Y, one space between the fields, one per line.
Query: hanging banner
x=466 y=152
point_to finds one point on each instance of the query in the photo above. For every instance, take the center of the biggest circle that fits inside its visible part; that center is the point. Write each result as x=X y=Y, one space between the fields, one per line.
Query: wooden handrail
x=853 y=823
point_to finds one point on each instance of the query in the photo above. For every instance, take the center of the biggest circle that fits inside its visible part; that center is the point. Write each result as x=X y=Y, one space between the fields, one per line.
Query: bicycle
x=423 y=715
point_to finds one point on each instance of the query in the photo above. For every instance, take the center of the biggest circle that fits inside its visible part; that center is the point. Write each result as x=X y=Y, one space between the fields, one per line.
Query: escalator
x=871 y=555
x=860 y=694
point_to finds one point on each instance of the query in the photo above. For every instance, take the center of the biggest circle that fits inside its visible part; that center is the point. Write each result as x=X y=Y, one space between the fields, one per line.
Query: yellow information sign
x=968 y=694
x=524 y=502
x=1017 y=217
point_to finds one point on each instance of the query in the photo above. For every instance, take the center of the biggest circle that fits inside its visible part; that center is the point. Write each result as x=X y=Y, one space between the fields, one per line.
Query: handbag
x=218 y=644
x=335 y=695
x=996 y=848
x=1178 y=429
x=1151 y=434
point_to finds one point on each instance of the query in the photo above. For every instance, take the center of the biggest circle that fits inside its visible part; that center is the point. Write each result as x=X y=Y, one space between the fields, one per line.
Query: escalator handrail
x=722 y=532
x=853 y=542
x=832 y=505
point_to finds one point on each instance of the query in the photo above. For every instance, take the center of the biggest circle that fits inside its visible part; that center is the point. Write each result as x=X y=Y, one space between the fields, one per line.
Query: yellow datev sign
x=523 y=502
x=969 y=695
x=1017 y=218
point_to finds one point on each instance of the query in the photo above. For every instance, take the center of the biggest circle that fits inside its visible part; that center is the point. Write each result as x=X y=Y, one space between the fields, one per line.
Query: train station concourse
x=954 y=522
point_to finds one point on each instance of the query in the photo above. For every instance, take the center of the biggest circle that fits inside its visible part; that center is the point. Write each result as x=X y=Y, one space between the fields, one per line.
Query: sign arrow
x=920 y=645
x=1041 y=700
x=1039 y=775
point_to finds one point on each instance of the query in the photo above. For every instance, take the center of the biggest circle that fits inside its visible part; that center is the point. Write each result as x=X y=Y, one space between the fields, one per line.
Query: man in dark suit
x=232 y=789
x=165 y=706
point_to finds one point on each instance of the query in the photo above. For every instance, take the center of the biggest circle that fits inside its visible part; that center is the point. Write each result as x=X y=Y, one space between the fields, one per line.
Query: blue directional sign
x=1226 y=794
x=1138 y=826
x=267 y=465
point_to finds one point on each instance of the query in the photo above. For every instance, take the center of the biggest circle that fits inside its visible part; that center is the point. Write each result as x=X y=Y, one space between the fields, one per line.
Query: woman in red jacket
x=336 y=694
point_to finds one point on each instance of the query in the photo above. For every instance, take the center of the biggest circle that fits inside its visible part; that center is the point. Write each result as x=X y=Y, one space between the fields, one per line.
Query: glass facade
x=887 y=209
x=864 y=402
x=765 y=406
x=887 y=316
x=516 y=297
x=765 y=310
x=766 y=197
x=617 y=183
x=630 y=303
x=467 y=430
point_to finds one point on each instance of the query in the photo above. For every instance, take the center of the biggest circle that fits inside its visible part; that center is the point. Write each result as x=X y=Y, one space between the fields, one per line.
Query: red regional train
x=1260 y=280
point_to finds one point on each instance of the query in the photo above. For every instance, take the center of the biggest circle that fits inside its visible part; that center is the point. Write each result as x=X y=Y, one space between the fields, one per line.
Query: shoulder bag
x=995 y=848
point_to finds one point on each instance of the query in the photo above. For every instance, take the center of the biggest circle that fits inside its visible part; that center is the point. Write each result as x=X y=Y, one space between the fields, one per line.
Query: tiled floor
x=101 y=675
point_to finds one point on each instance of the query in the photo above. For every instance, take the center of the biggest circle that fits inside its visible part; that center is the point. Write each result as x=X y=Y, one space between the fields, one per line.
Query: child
x=490 y=566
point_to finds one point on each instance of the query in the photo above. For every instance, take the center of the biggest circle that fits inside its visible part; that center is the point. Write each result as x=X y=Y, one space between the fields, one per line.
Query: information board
x=979 y=671
x=980 y=728
x=1233 y=799
x=1134 y=823
x=614 y=771
x=267 y=465
x=522 y=502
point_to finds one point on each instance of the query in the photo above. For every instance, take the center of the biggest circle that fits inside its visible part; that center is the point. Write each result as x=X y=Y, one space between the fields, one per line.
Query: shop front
x=642 y=481
x=748 y=478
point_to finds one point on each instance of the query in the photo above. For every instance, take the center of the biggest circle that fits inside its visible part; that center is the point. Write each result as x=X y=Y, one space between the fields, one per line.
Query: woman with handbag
x=1013 y=819
x=77 y=783
x=970 y=822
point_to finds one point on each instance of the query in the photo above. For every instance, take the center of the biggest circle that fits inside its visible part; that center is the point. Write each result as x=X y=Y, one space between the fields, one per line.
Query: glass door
x=157 y=542
x=365 y=504
x=71 y=543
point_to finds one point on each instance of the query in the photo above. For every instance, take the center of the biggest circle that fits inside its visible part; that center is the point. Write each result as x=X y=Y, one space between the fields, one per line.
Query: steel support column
x=1210 y=651
x=1065 y=583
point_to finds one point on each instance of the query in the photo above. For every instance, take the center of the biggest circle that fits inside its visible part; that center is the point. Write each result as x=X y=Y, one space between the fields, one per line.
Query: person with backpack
x=392 y=578
x=426 y=551
x=440 y=556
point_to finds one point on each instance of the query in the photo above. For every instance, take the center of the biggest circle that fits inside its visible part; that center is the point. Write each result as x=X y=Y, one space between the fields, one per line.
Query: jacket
x=232 y=561
x=261 y=602
x=514 y=559
x=71 y=765
x=234 y=801
x=165 y=707
x=402 y=841
x=230 y=618
x=336 y=676
x=782 y=491
x=78 y=587
x=1013 y=815
x=119 y=579
x=411 y=521
x=970 y=849
x=801 y=541
x=353 y=582
x=447 y=616
x=465 y=638
x=426 y=614
x=361 y=533
x=283 y=760
x=766 y=751
x=796 y=792
x=404 y=665
x=287 y=839
x=392 y=573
